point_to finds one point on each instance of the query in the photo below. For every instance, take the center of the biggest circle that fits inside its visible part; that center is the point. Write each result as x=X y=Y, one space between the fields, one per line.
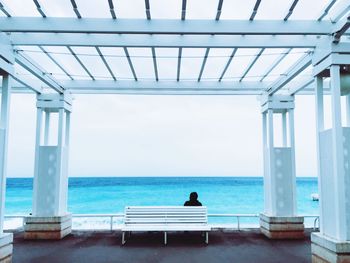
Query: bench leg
x=165 y=238
x=123 y=238
x=206 y=237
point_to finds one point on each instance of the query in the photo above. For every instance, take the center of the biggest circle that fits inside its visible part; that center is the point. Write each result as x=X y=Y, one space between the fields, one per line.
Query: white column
x=4 y=124
x=284 y=128
x=292 y=159
x=338 y=156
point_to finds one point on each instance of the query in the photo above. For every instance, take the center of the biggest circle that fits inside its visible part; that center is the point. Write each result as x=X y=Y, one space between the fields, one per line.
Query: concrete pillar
x=50 y=219
x=6 y=239
x=332 y=243
x=279 y=220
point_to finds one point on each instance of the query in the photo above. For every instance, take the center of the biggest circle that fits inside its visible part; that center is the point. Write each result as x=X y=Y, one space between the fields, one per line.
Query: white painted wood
x=4 y=126
x=190 y=41
x=284 y=128
x=292 y=178
x=47 y=128
x=164 y=219
x=164 y=26
x=338 y=156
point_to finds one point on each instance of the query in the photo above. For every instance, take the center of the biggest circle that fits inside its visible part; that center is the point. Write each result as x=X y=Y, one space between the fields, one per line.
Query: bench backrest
x=160 y=215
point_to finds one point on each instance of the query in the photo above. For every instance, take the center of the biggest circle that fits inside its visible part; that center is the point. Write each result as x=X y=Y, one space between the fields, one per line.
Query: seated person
x=193 y=200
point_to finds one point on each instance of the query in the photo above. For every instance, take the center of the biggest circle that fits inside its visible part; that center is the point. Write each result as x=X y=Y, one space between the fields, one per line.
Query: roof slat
x=155 y=63
x=291 y=9
x=5 y=9
x=255 y=10
x=274 y=65
x=75 y=8
x=130 y=63
x=228 y=63
x=183 y=10
x=252 y=64
x=218 y=12
x=148 y=11
x=179 y=64
x=203 y=64
x=105 y=63
x=39 y=8
x=80 y=62
x=55 y=61
x=111 y=9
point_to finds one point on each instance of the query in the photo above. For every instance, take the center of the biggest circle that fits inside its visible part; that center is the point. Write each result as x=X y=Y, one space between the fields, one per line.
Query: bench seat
x=165 y=219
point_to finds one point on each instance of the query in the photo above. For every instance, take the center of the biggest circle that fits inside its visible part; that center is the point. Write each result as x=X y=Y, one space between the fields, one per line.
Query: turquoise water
x=111 y=195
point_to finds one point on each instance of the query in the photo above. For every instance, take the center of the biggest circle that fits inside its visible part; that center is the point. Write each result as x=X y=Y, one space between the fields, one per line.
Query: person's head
x=193 y=196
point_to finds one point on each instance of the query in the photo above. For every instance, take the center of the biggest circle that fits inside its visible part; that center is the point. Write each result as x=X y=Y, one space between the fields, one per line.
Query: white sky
x=121 y=135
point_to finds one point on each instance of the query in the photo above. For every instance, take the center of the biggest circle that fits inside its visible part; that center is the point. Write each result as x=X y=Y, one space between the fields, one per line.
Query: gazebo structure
x=274 y=49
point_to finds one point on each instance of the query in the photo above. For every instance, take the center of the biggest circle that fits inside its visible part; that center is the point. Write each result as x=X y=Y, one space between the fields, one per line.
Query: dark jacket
x=193 y=203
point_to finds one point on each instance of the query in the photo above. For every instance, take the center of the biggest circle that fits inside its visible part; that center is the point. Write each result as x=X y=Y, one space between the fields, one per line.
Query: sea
x=110 y=195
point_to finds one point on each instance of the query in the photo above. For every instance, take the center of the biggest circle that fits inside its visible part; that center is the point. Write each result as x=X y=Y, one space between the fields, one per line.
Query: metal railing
x=111 y=218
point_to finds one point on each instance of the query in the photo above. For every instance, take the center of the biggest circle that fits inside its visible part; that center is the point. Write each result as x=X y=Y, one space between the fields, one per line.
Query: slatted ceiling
x=291 y=9
x=131 y=65
x=216 y=62
x=255 y=10
x=292 y=57
x=79 y=58
x=36 y=54
x=272 y=9
x=191 y=62
x=197 y=10
x=273 y=65
x=142 y=62
x=117 y=61
x=105 y=63
x=313 y=13
x=252 y=63
x=167 y=62
x=66 y=60
x=264 y=63
x=228 y=63
x=241 y=61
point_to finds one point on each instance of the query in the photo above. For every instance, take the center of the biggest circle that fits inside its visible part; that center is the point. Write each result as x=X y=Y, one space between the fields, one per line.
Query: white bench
x=165 y=219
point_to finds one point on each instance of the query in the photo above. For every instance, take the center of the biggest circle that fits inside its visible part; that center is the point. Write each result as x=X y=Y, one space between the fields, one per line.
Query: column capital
x=277 y=103
x=53 y=102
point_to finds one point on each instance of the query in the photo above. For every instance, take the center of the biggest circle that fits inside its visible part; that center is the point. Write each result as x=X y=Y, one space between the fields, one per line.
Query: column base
x=55 y=227
x=6 y=247
x=327 y=250
x=276 y=227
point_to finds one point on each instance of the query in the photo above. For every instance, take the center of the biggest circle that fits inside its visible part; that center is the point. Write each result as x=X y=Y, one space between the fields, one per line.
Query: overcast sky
x=121 y=135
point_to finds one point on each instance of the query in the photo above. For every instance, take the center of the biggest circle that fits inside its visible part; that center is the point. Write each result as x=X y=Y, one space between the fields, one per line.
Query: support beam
x=148 y=10
x=295 y=70
x=164 y=26
x=29 y=65
x=185 y=41
x=341 y=28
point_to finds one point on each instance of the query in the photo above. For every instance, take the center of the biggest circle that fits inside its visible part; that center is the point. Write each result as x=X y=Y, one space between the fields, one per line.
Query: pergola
x=275 y=49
